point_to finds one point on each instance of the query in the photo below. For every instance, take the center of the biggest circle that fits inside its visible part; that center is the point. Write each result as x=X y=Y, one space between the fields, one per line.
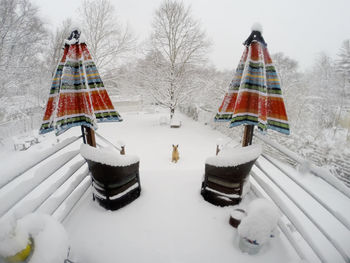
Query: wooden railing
x=53 y=183
x=304 y=206
x=56 y=181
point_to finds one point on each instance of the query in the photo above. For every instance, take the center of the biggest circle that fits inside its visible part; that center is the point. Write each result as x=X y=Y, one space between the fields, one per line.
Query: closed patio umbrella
x=254 y=96
x=77 y=95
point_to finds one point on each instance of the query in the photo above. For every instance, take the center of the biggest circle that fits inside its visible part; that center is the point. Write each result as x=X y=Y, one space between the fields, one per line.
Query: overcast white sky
x=299 y=28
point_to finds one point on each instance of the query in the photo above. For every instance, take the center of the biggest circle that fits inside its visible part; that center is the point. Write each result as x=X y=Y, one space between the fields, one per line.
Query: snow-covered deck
x=170 y=221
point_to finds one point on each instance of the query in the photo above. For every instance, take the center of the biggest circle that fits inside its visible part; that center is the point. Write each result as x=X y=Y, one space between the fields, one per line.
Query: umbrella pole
x=90 y=136
x=247 y=135
x=83 y=133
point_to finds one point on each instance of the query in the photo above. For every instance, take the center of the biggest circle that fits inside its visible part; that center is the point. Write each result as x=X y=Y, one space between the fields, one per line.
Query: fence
x=15 y=127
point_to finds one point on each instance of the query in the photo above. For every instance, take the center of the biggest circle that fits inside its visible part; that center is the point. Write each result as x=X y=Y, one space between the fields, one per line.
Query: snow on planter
x=227 y=173
x=107 y=156
x=50 y=240
x=235 y=156
x=256 y=228
x=115 y=177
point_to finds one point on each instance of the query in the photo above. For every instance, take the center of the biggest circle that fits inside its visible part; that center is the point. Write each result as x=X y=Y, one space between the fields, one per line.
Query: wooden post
x=217 y=149
x=247 y=135
x=90 y=136
x=122 y=151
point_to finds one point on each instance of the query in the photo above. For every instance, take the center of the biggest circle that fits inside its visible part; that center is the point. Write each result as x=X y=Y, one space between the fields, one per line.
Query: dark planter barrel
x=115 y=186
x=222 y=186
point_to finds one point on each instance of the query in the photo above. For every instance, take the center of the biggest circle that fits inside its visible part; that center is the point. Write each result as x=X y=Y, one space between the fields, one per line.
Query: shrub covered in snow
x=49 y=237
x=107 y=156
x=235 y=156
x=260 y=222
x=13 y=237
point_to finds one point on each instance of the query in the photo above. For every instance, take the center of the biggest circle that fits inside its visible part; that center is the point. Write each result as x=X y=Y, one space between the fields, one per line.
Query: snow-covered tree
x=22 y=40
x=178 y=44
x=343 y=69
x=106 y=37
x=56 y=44
x=325 y=96
x=343 y=61
x=294 y=92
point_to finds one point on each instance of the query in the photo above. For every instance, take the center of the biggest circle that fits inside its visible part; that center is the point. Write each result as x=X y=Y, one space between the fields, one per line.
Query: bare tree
x=293 y=89
x=22 y=38
x=56 y=44
x=106 y=37
x=178 y=43
x=343 y=61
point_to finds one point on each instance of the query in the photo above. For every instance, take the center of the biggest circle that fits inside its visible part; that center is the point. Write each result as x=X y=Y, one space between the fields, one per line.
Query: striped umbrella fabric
x=77 y=95
x=254 y=96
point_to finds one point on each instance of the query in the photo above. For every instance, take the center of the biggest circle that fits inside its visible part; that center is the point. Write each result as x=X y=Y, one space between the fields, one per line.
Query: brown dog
x=175 y=155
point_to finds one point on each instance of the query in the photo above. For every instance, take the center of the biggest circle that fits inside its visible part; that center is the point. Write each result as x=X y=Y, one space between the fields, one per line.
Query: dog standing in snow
x=175 y=155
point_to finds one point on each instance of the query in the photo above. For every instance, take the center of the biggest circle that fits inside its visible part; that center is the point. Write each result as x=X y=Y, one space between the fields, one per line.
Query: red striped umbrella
x=254 y=96
x=77 y=95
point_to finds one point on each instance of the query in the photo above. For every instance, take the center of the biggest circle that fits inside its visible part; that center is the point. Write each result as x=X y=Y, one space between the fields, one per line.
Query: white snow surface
x=257 y=27
x=235 y=156
x=261 y=220
x=170 y=221
x=49 y=237
x=107 y=156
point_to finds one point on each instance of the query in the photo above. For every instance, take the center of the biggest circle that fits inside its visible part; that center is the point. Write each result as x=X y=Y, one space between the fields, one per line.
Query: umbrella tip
x=257 y=27
x=75 y=33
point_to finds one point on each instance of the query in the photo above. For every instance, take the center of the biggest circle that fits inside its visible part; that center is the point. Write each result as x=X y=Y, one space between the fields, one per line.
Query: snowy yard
x=170 y=221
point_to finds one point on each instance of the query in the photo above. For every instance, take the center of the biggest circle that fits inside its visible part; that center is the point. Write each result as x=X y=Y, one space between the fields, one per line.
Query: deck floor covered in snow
x=170 y=221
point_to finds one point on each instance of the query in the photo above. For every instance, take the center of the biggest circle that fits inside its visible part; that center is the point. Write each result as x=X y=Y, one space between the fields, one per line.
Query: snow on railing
x=262 y=177
x=333 y=241
x=318 y=171
x=337 y=215
x=52 y=184
x=8 y=176
x=291 y=217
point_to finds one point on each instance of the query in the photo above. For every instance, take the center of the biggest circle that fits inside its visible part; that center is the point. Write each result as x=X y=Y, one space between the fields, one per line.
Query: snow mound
x=13 y=238
x=257 y=27
x=235 y=156
x=107 y=156
x=49 y=237
x=260 y=222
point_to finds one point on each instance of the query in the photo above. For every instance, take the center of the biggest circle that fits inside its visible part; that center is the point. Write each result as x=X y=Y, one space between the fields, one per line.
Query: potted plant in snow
x=257 y=227
x=15 y=242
